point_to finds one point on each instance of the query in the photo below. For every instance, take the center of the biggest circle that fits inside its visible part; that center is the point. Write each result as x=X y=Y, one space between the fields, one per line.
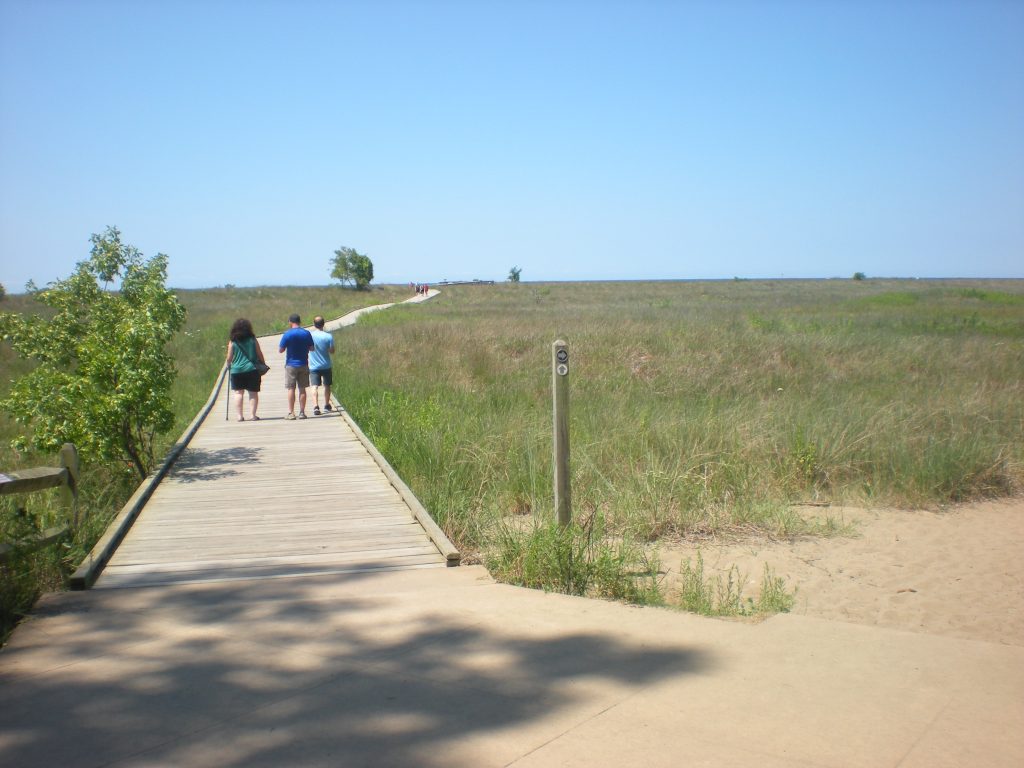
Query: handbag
x=259 y=365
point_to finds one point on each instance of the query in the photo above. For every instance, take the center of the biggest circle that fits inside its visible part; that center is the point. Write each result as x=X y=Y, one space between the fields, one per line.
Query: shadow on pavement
x=286 y=672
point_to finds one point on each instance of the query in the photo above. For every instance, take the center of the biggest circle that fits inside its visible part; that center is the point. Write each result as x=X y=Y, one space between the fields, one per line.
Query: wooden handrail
x=34 y=479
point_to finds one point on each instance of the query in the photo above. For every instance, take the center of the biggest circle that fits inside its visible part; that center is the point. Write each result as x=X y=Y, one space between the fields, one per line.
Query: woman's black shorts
x=249 y=381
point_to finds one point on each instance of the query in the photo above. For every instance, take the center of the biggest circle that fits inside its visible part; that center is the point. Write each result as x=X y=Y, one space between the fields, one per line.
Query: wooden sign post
x=560 y=396
x=69 y=461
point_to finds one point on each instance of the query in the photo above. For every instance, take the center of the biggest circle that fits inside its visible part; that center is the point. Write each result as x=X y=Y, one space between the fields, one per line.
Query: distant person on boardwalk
x=298 y=342
x=243 y=353
x=320 y=365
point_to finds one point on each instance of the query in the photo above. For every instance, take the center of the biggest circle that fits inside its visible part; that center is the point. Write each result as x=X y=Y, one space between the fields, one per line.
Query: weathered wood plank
x=226 y=511
x=268 y=534
x=33 y=479
x=201 y=548
x=116 y=580
x=240 y=562
x=160 y=530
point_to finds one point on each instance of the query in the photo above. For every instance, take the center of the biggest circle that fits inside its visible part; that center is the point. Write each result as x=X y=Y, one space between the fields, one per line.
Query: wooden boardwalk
x=272 y=498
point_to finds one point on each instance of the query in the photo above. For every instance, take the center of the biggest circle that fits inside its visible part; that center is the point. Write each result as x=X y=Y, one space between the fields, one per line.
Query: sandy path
x=958 y=573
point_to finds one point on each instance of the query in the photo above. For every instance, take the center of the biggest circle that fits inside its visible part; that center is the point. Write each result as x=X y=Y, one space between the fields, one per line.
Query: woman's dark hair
x=242 y=329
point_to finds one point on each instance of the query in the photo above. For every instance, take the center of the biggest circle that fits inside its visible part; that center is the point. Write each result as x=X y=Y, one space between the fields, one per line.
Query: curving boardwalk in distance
x=271 y=498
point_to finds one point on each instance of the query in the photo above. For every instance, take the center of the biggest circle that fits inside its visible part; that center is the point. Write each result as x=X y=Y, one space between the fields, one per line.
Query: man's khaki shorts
x=296 y=377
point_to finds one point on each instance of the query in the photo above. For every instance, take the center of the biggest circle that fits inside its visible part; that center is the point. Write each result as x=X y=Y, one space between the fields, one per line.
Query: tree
x=513 y=274
x=350 y=266
x=3 y=292
x=859 y=276
x=103 y=377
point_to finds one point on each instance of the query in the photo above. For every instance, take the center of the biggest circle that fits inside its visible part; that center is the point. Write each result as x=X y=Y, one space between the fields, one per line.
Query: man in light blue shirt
x=320 y=365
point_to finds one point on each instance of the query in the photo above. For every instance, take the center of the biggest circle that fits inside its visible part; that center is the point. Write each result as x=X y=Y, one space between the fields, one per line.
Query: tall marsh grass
x=715 y=595
x=577 y=560
x=696 y=408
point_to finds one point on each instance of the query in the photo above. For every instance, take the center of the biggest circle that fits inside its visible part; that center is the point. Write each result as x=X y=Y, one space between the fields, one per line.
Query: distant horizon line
x=485 y=281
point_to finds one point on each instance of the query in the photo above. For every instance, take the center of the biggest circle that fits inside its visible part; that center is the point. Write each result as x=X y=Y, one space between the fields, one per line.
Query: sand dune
x=958 y=572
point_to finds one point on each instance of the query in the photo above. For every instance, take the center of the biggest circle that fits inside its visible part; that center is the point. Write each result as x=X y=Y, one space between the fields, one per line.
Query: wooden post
x=69 y=461
x=560 y=396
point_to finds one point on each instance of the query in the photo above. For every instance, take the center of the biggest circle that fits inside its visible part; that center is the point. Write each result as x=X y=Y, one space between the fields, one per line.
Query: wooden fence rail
x=33 y=479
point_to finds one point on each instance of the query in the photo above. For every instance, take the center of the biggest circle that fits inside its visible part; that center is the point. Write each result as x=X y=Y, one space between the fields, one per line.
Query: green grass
x=724 y=596
x=577 y=560
x=695 y=407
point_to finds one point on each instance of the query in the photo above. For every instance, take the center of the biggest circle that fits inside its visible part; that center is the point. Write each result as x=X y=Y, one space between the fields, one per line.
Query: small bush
x=575 y=560
x=713 y=596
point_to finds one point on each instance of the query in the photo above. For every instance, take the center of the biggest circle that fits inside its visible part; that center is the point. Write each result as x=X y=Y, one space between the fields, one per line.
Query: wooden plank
x=354 y=517
x=206 y=527
x=121 y=581
x=226 y=569
x=205 y=506
x=129 y=554
x=32 y=479
x=199 y=528
x=242 y=563
x=163 y=529
x=257 y=545
x=390 y=515
x=267 y=536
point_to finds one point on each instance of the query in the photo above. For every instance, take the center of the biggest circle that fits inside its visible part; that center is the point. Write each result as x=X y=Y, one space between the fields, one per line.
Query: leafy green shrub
x=103 y=375
x=575 y=560
x=715 y=596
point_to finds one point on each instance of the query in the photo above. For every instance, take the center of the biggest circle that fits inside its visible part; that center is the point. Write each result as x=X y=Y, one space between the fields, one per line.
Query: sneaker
x=328 y=407
x=316 y=410
x=302 y=414
x=290 y=417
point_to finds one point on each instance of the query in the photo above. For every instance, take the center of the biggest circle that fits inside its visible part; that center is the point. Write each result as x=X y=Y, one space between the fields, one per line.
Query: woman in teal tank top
x=243 y=352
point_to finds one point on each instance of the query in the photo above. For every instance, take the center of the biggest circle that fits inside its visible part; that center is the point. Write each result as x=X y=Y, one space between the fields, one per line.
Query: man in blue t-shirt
x=298 y=342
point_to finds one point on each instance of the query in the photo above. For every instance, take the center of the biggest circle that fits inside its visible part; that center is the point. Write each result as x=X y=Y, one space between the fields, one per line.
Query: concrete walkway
x=443 y=667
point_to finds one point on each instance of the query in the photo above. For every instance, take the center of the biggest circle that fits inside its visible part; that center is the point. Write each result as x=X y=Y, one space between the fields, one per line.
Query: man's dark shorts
x=249 y=381
x=323 y=376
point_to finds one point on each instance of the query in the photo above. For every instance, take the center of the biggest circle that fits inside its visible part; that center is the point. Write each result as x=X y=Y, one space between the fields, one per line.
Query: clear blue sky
x=578 y=140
